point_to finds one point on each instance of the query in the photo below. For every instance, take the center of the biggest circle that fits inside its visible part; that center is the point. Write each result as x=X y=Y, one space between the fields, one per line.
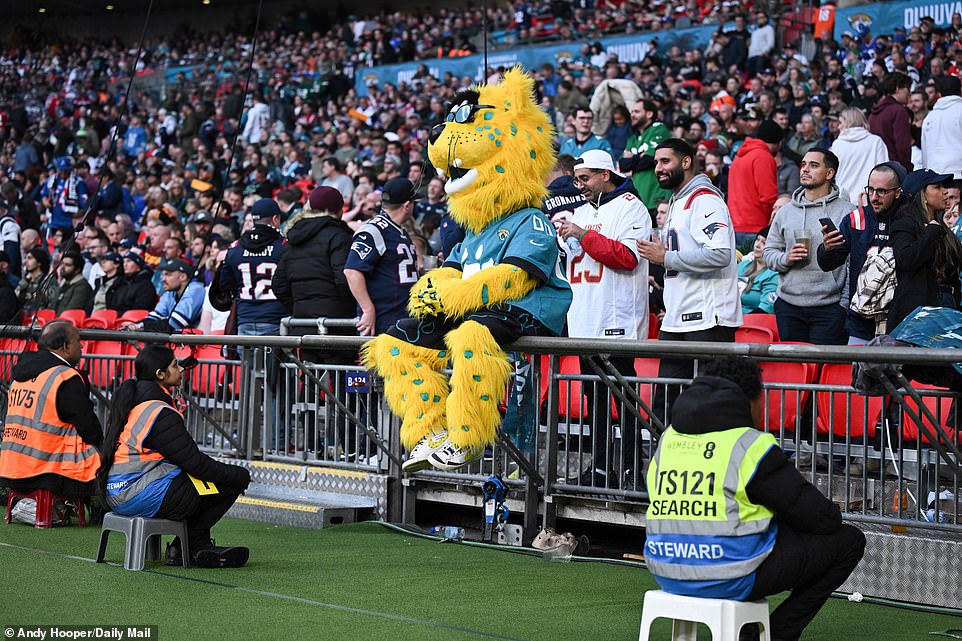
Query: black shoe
x=221 y=557
x=173 y=555
x=593 y=478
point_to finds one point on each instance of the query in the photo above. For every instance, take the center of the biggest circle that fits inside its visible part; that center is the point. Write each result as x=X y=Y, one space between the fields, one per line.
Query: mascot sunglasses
x=465 y=112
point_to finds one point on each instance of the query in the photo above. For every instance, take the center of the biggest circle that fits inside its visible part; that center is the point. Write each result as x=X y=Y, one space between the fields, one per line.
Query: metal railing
x=880 y=461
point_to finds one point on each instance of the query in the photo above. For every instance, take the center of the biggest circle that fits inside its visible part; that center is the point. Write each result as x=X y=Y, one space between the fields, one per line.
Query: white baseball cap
x=597 y=159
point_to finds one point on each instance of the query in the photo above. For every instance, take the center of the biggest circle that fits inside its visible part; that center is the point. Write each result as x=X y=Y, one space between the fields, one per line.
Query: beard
x=673 y=180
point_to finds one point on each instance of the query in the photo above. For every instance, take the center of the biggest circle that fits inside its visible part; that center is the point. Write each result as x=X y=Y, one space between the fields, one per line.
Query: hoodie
x=942 y=137
x=752 y=186
x=714 y=404
x=247 y=273
x=858 y=151
x=805 y=284
x=73 y=407
x=889 y=120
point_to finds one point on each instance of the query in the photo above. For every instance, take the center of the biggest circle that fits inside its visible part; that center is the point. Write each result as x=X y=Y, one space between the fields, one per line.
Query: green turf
x=360 y=582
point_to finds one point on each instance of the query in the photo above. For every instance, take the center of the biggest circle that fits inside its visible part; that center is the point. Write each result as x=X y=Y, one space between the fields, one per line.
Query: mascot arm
x=493 y=285
x=422 y=300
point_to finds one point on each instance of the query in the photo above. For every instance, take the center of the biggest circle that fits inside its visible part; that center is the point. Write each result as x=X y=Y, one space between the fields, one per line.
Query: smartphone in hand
x=828 y=225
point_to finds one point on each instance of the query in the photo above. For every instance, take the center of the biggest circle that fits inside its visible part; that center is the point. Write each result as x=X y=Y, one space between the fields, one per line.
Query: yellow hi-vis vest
x=704 y=536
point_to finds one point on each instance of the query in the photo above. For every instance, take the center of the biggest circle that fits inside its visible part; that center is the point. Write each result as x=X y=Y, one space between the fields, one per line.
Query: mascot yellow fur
x=502 y=282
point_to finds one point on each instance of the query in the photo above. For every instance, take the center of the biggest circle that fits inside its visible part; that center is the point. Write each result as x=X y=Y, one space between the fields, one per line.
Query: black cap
x=177 y=265
x=113 y=256
x=922 y=178
x=770 y=132
x=201 y=216
x=4 y=257
x=265 y=208
x=398 y=191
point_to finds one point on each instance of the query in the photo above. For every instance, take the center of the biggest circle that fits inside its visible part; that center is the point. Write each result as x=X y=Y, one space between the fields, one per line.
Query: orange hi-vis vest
x=35 y=440
x=135 y=468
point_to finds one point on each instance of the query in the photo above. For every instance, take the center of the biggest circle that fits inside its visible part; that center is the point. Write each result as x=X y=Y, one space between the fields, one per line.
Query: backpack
x=875 y=288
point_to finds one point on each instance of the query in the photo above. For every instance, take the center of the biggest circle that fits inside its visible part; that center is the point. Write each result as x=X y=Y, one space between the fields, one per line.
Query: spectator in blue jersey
x=180 y=306
x=382 y=263
x=135 y=140
x=584 y=140
x=246 y=273
x=64 y=195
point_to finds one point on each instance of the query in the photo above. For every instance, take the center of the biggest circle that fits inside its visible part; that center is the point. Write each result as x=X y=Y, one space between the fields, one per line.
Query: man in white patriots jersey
x=609 y=287
x=697 y=248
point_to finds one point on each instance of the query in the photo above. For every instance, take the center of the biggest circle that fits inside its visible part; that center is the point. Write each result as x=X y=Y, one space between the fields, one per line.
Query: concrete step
x=298 y=507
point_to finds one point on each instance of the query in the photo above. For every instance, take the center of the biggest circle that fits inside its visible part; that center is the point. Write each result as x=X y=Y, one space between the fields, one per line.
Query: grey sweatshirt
x=805 y=284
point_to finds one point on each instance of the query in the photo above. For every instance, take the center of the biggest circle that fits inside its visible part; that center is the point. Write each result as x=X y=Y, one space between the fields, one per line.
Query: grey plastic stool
x=143 y=538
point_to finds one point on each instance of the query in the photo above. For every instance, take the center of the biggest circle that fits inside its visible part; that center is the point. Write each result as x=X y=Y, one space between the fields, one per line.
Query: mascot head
x=495 y=150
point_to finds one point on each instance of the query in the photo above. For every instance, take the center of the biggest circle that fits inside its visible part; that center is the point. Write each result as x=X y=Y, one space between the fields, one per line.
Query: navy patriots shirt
x=247 y=272
x=383 y=251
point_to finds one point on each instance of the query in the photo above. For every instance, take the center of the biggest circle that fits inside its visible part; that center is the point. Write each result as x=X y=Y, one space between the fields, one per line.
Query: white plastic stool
x=723 y=618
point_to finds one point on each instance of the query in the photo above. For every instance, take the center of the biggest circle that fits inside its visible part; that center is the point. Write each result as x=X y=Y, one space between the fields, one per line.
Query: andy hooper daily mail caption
x=57 y=632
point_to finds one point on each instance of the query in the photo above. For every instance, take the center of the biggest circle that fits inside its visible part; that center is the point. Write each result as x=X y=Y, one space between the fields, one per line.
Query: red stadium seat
x=940 y=406
x=44 y=316
x=647 y=368
x=762 y=320
x=783 y=406
x=207 y=378
x=102 y=371
x=749 y=334
x=109 y=316
x=96 y=323
x=75 y=316
x=568 y=391
x=836 y=410
x=132 y=316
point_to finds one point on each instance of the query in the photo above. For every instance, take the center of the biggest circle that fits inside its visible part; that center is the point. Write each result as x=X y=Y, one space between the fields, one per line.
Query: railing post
x=551 y=443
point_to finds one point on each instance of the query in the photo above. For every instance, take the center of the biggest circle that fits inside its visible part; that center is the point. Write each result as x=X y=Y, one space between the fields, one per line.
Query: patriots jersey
x=247 y=273
x=383 y=251
x=697 y=294
x=526 y=239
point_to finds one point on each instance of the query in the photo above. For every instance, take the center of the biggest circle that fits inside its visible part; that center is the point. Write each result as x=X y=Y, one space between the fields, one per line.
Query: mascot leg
x=416 y=391
x=481 y=371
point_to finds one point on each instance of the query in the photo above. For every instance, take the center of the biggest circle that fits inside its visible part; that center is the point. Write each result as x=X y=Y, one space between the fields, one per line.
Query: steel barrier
x=878 y=460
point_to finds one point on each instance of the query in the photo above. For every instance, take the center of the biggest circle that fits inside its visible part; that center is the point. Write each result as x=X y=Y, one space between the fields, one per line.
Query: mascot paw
x=426 y=301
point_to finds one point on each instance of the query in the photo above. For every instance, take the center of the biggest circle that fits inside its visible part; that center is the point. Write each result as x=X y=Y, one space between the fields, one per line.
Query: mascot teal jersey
x=527 y=240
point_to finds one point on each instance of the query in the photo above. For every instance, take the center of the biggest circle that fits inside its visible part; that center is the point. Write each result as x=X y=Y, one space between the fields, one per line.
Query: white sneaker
x=418 y=458
x=450 y=457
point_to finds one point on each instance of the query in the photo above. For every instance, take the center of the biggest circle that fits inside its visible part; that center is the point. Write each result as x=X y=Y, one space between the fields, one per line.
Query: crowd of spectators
x=172 y=190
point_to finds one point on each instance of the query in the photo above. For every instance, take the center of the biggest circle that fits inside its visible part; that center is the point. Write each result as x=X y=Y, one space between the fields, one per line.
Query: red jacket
x=752 y=186
x=889 y=120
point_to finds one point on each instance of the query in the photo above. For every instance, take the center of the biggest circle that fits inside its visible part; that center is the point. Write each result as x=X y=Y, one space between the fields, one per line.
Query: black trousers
x=812 y=566
x=505 y=322
x=183 y=503
x=665 y=395
x=599 y=413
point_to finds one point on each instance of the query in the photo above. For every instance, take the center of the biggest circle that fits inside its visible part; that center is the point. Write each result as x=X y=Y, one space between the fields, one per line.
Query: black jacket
x=169 y=436
x=309 y=280
x=74 y=407
x=715 y=404
x=132 y=292
x=914 y=246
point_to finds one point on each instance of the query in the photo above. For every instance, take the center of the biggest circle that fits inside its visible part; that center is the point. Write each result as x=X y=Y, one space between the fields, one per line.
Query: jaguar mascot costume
x=503 y=281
